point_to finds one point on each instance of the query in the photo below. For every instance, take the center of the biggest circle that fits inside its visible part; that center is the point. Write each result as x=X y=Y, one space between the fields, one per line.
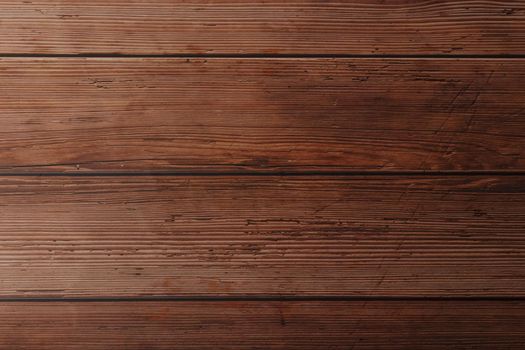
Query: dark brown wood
x=263 y=325
x=216 y=235
x=201 y=115
x=283 y=174
x=262 y=27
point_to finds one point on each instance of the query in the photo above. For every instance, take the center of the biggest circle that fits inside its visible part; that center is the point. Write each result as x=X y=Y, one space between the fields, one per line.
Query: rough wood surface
x=225 y=129
x=214 y=235
x=78 y=115
x=263 y=325
x=261 y=27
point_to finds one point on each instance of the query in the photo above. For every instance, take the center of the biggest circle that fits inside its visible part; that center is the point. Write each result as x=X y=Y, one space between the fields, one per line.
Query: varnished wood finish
x=263 y=325
x=215 y=235
x=262 y=27
x=202 y=115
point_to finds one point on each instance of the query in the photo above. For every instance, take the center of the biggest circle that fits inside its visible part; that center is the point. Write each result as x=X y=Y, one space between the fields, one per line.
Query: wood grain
x=223 y=223
x=262 y=27
x=248 y=235
x=263 y=325
x=234 y=115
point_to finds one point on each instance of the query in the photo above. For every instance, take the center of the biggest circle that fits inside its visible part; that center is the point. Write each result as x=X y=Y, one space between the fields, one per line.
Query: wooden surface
x=202 y=115
x=215 y=235
x=213 y=174
x=264 y=325
x=262 y=27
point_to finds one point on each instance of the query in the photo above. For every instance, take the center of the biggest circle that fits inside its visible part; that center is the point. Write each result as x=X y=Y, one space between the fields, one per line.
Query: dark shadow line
x=263 y=173
x=262 y=298
x=269 y=56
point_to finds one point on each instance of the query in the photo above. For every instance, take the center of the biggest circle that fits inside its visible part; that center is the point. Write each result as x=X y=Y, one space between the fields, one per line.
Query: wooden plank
x=264 y=325
x=81 y=115
x=249 y=235
x=262 y=27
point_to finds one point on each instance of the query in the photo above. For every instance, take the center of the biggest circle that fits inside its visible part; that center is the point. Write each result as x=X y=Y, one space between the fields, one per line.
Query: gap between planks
x=407 y=173
x=270 y=56
x=264 y=298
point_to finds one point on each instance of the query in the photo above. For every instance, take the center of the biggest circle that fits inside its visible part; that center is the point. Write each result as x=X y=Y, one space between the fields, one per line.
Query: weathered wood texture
x=262 y=27
x=263 y=325
x=257 y=114
x=221 y=225
x=214 y=235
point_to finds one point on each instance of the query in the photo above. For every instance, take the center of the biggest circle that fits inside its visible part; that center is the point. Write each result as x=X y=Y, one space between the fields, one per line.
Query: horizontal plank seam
x=268 y=56
x=259 y=298
x=270 y=173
